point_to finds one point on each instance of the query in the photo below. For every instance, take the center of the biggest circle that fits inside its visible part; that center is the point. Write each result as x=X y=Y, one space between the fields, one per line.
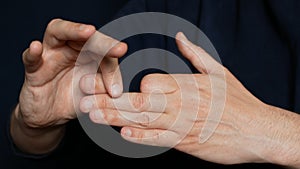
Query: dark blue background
x=24 y=21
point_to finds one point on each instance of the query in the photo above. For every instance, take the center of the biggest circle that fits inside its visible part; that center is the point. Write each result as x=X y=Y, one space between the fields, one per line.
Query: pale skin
x=248 y=130
x=46 y=99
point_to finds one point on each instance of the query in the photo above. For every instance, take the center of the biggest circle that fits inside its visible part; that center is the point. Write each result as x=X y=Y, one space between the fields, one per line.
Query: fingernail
x=116 y=90
x=182 y=36
x=127 y=132
x=98 y=115
x=87 y=105
x=82 y=27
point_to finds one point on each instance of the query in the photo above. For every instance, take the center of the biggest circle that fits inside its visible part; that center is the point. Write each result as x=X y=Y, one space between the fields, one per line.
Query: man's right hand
x=46 y=98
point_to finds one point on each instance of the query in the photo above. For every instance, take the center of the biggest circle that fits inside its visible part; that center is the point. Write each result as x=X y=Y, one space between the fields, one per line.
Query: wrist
x=283 y=129
x=270 y=135
x=32 y=139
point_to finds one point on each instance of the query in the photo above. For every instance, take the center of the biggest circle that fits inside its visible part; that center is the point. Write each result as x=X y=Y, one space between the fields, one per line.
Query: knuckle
x=53 y=22
x=153 y=77
x=144 y=120
x=140 y=136
x=75 y=26
x=97 y=87
x=111 y=117
x=152 y=81
x=103 y=102
x=149 y=77
x=145 y=84
x=156 y=137
x=139 y=102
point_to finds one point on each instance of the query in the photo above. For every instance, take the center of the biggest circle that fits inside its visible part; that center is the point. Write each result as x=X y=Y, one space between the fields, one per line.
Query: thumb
x=32 y=57
x=200 y=59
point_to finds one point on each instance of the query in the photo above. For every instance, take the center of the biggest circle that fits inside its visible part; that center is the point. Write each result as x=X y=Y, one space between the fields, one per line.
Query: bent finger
x=105 y=46
x=59 y=31
x=158 y=83
x=112 y=77
x=107 y=50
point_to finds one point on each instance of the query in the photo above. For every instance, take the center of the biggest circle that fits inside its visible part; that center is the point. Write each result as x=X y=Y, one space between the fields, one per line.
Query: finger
x=158 y=83
x=110 y=69
x=124 y=118
x=107 y=51
x=104 y=45
x=59 y=31
x=76 y=45
x=117 y=51
x=153 y=137
x=92 y=84
x=197 y=56
x=32 y=57
x=112 y=77
x=131 y=102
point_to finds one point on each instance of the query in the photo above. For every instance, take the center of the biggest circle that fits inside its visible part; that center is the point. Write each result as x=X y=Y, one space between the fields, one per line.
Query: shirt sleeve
x=17 y=152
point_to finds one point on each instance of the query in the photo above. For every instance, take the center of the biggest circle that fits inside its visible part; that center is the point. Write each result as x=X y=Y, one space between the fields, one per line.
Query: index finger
x=104 y=46
x=59 y=31
x=106 y=51
x=131 y=102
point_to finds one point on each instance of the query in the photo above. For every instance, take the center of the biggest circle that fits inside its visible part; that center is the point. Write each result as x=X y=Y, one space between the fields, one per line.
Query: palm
x=47 y=94
x=50 y=86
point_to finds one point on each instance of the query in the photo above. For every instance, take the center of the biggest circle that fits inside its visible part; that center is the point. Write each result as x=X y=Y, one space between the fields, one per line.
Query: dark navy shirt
x=257 y=40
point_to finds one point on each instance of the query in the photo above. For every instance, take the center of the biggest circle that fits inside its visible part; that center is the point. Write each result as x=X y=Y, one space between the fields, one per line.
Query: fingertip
x=126 y=132
x=124 y=45
x=183 y=43
x=119 y=50
x=182 y=40
x=85 y=104
x=85 y=27
x=178 y=35
x=32 y=56
x=87 y=30
x=181 y=36
x=35 y=48
x=84 y=31
x=116 y=90
x=97 y=116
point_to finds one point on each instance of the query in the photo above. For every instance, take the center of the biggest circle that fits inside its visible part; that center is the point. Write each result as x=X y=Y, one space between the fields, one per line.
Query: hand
x=178 y=110
x=46 y=99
